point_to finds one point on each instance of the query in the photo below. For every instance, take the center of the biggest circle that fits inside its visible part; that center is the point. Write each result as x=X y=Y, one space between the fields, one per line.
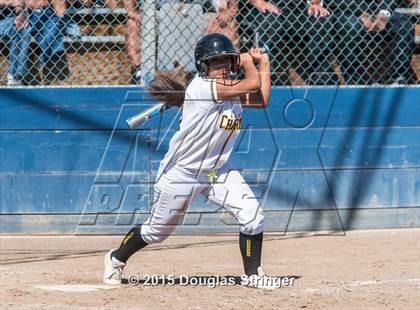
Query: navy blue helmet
x=213 y=45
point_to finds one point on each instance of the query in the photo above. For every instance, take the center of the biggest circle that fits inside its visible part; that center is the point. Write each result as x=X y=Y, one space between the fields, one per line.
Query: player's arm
x=260 y=98
x=227 y=89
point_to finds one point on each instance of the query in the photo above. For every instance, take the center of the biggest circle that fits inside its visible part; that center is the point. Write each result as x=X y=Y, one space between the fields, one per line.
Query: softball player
x=196 y=162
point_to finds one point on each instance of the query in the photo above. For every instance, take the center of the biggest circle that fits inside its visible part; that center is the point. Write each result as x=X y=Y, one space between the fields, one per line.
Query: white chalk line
x=358 y=284
x=79 y=288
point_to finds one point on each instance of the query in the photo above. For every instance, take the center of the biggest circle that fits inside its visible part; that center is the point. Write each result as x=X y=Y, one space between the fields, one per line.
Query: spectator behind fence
x=132 y=38
x=111 y=4
x=47 y=24
x=225 y=20
x=358 y=24
x=298 y=35
x=397 y=31
x=16 y=36
x=72 y=29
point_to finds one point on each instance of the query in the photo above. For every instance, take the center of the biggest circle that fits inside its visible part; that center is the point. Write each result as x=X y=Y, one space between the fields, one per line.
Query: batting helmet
x=213 y=45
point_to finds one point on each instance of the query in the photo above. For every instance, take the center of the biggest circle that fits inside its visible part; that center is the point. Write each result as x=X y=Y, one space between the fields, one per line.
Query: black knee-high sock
x=251 y=247
x=131 y=244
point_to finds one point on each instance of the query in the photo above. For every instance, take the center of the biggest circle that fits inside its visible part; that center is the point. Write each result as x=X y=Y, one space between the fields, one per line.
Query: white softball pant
x=176 y=189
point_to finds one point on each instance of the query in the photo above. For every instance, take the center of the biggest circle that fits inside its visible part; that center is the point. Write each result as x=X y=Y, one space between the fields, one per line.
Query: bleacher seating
x=107 y=42
x=106 y=15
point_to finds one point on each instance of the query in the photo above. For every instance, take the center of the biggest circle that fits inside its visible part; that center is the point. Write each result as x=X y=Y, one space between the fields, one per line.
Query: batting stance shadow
x=209 y=281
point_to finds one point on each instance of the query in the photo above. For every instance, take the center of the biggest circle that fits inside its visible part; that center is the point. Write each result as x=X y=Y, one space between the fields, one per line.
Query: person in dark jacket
x=362 y=29
x=297 y=33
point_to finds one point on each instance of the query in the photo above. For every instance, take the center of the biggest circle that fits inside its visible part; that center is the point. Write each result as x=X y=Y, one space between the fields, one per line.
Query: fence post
x=148 y=41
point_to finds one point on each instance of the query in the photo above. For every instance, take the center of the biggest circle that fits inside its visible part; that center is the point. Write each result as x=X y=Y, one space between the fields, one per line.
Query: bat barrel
x=137 y=120
x=142 y=117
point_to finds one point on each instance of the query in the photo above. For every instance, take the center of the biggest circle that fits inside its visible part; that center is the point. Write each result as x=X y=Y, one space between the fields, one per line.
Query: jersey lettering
x=228 y=123
x=207 y=131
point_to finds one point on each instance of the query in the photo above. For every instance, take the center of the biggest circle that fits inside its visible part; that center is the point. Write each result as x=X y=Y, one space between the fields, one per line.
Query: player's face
x=219 y=67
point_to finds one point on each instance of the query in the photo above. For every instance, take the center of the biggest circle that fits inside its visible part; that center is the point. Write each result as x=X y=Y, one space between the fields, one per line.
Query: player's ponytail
x=167 y=89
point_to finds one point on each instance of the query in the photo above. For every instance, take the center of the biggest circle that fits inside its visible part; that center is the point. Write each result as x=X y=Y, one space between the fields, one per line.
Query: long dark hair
x=168 y=87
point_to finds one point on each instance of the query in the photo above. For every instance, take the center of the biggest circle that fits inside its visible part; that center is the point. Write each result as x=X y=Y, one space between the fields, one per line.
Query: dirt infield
x=377 y=269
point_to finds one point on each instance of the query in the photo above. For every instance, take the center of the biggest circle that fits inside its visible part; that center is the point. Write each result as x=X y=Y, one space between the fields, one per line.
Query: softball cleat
x=261 y=281
x=113 y=269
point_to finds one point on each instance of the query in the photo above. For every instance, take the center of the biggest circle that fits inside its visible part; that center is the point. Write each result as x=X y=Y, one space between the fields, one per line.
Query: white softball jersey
x=204 y=142
x=208 y=128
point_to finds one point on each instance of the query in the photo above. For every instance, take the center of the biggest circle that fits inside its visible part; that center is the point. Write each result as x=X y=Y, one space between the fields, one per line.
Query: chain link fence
x=121 y=42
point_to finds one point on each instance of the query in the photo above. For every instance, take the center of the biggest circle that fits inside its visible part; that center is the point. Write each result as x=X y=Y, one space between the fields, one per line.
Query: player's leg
x=133 y=241
x=233 y=193
x=173 y=193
